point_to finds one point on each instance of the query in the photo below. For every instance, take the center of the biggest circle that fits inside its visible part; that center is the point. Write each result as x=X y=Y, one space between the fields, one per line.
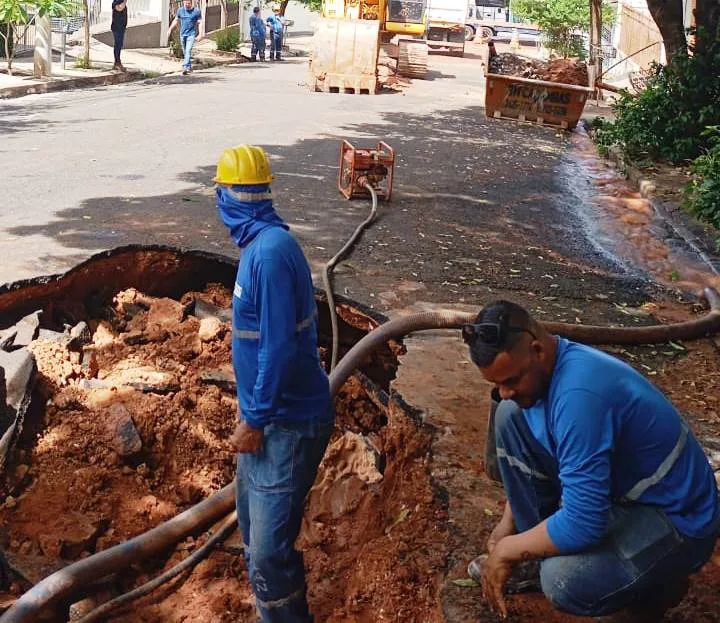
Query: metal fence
x=27 y=41
x=70 y=23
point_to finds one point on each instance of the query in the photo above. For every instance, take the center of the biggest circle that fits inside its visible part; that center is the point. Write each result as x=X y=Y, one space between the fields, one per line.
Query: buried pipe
x=228 y=526
x=82 y=573
x=586 y=334
x=62 y=583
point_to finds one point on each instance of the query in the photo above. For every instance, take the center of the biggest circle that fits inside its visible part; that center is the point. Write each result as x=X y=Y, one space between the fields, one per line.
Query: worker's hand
x=246 y=439
x=498 y=534
x=496 y=572
x=505 y=527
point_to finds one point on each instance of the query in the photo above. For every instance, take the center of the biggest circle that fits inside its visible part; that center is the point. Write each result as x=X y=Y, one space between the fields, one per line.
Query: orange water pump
x=373 y=166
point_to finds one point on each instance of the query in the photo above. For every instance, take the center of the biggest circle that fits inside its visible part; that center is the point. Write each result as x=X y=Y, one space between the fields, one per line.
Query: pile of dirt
x=563 y=70
x=388 y=76
x=134 y=431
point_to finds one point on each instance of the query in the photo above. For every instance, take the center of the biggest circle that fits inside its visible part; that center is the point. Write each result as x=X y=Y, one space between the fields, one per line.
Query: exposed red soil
x=373 y=533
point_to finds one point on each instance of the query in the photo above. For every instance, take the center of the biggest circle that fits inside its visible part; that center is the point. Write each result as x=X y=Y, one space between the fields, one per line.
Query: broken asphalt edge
x=665 y=209
x=108 y=79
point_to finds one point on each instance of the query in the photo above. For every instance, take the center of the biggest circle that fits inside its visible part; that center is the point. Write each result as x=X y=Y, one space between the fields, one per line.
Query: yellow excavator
x=349 y=37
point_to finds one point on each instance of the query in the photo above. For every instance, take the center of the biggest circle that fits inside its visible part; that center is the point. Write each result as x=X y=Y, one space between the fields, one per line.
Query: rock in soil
x=124 y=437
x=145 y=379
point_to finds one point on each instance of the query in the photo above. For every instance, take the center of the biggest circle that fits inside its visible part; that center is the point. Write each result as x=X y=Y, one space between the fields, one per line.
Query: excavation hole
x=130 y=428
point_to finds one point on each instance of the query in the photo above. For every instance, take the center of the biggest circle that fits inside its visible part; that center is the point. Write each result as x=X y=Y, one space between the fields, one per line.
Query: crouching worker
x=610 y=497
x=286 y=414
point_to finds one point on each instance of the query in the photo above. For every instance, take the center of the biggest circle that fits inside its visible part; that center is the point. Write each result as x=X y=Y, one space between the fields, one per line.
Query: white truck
x=446 y=25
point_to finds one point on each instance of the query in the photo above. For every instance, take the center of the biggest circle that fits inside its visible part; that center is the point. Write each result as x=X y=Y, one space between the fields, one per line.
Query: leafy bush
x=176 y=50
x=703 y=192
x=667 y=120
x=81 y=62
x=228 y=40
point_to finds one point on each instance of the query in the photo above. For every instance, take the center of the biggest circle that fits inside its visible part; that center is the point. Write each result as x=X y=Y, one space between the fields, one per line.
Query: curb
x=109 y=79
x=71 y=83
x=666 y=210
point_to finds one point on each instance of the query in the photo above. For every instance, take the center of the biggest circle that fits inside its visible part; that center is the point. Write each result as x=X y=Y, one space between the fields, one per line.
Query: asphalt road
x=77 y=165
x=480 y=205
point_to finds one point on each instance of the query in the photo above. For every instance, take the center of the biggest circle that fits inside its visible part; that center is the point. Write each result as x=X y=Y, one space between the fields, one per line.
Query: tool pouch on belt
x=491 y=462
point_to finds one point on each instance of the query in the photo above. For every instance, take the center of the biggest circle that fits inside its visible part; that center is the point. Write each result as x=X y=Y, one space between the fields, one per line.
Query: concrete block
x=19 y=369
x=27 y=329
x=222 y=377
x=203 y=310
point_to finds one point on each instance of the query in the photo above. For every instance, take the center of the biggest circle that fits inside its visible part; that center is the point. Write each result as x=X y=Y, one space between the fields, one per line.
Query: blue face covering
x=246 y=211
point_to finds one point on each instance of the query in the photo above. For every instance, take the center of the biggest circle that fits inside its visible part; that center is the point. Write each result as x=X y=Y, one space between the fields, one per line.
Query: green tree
x=16 y=16
x=561 y=21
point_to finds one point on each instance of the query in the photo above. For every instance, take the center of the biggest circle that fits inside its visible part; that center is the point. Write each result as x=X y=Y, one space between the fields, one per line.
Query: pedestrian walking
x=611 y=502
x=187 y=18
x=276 y=23
x=257 y=35
x=286 y=414
x=118 y=27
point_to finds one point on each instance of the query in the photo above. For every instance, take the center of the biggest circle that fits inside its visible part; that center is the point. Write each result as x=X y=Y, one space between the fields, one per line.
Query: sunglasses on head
x=490 y=333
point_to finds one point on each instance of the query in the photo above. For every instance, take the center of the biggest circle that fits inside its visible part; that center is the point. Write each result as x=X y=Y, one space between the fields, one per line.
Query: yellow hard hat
x=245 y=165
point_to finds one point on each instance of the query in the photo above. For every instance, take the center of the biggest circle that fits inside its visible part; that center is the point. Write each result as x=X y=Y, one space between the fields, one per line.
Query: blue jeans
x=270 y=498
x=187 y=42
x=119 y=39
x=276 y=44
x=641 y=555
x=258 y=46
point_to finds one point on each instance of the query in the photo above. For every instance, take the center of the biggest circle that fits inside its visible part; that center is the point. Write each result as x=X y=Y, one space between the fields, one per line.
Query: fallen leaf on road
x=465 y=582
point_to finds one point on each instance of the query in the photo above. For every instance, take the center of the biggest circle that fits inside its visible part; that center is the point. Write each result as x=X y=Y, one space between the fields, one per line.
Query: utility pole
x=241 y=23
x=595 y=41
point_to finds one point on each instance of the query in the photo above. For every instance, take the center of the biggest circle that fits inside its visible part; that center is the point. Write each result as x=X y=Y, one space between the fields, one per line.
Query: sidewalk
x=140 y=64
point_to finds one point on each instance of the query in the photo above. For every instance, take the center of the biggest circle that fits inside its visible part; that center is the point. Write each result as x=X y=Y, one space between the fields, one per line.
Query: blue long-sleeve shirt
x=274 y=347
x=257 y=27
x=610 y=428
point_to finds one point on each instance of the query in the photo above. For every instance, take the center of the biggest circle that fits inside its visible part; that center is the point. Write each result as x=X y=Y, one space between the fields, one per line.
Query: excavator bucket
x=345 y=55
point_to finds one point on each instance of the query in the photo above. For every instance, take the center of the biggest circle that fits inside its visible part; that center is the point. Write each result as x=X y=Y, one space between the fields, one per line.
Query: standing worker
x=257 y=35
x=605 y=483
x=286 y=412
x=276 y=23
x=118 y=27
x=188 y=18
